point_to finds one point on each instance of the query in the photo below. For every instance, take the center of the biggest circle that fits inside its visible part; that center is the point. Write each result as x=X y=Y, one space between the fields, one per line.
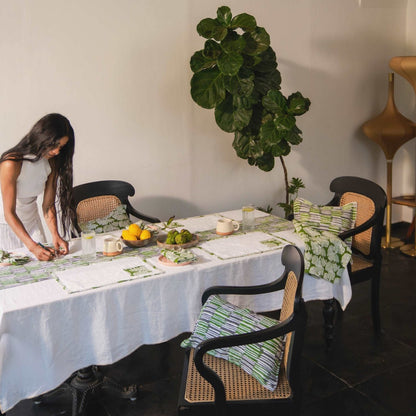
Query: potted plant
x=236 y=74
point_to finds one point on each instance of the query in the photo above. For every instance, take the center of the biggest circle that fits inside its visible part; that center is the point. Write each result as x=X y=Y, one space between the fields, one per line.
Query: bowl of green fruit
x=175 y=239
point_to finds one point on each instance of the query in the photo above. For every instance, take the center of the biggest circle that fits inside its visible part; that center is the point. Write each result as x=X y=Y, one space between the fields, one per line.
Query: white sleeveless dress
x=30 y=184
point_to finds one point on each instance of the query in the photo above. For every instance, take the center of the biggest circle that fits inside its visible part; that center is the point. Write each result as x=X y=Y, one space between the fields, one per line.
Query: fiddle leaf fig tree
x=236 y=74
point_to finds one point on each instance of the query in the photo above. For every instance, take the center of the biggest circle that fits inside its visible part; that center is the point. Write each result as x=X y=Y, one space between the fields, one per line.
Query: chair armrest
x=282 y=328
x=253 y=337
x=333 y=202
x=357 y=230
x=244 y=290
x=141 y=216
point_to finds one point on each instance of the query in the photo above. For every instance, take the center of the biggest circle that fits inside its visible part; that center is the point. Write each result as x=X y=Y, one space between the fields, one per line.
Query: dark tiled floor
x=361 y=375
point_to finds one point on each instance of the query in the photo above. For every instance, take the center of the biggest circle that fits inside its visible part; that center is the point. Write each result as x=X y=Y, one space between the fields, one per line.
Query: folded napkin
x=13 y=258
x=179 y=256
x=326 y=255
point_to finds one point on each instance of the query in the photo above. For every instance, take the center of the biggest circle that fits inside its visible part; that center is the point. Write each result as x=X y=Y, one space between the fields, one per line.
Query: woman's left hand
x=61 y=246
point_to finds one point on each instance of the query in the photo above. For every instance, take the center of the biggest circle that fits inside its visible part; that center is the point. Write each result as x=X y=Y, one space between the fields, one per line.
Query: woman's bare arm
x=49 y=212
x=9 y=172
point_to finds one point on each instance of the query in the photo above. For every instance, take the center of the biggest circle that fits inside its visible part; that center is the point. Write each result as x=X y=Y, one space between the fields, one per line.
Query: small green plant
x=267 y=210
x=292 y=191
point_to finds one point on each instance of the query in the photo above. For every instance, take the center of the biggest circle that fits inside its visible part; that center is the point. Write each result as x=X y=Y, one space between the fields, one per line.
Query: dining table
x=73 y=312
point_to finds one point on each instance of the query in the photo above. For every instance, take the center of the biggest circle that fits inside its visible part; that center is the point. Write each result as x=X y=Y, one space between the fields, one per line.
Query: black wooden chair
x=211 y=384
x=94 y=200
x=366 y=240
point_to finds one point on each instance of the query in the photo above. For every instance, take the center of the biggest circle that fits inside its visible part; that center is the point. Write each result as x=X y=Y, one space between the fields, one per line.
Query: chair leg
x=375 y=303
x=329 y=321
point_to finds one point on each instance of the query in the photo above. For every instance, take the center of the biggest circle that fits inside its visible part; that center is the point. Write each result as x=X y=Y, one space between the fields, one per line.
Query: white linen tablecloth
x=51 y=328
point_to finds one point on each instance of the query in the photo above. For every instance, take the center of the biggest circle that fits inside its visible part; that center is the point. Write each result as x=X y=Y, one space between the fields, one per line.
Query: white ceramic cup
x=226 y=226
x=112 y=246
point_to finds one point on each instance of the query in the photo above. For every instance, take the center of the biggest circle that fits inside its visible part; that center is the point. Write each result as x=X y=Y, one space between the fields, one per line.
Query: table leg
x=89 y=381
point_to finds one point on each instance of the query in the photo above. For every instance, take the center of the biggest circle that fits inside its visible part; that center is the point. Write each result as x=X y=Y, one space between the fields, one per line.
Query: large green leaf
x=248 y=147
x=257 y=41
x=233 y=42
x=267 y=61
x=230 y=63
x=244 y=21
x=275 y=102
x=285 y=122
x=207 y=87
x=250 y=61
x=212 y=49
x=224 y=15
x=293 y=138
x=269 y=133
x=265 y=162
x=297 y=104
x=264 y=82
x=211 y=28
x=200 y=62
x=241 y=87
x=280 y=149
x=230 y=118
x=256 y=149
x=241 y=144
x=243 y=102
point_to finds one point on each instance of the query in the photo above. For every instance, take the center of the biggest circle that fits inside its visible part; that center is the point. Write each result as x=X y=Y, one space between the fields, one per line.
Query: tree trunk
x=286 y=179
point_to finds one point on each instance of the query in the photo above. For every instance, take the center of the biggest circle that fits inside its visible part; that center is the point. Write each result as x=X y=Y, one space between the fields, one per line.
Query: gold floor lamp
x=390 y=130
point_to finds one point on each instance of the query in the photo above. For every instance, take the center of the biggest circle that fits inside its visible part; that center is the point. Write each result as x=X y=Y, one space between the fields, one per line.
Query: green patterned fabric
x=179 y=256
x=326 y=255
x=325 y=218
x=115 y=220
x=221 y=318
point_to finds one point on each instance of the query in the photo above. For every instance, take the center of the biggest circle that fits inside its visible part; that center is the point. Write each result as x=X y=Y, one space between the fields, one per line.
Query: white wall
x=120 y=72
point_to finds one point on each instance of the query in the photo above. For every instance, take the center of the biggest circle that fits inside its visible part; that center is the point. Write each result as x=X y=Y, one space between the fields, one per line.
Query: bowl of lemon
x=135 y=236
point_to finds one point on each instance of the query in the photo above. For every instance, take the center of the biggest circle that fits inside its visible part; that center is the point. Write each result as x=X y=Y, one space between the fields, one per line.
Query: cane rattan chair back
x=366 y=235
x=230 y=390
x=97 y=199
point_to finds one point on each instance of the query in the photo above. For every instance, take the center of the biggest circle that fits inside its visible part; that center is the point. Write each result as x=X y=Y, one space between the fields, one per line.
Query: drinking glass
x=88 y=244
x=248 y=218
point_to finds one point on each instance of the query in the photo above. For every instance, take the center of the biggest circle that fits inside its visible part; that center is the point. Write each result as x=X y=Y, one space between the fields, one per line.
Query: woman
x=40 y=162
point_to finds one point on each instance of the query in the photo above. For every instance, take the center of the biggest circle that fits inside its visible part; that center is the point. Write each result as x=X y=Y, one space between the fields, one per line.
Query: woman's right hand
x=42 y=254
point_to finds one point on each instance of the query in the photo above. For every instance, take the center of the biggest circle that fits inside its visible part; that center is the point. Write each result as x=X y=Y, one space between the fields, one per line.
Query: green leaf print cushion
x=117 y=219
x=326 y=255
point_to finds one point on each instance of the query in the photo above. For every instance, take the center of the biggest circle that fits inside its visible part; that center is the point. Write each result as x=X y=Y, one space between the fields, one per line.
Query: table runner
x=64 y=268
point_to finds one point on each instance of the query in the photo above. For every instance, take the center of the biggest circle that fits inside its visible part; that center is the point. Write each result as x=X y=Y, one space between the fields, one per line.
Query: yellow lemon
x=127 y=235
x=135 y=230
x=145 y=235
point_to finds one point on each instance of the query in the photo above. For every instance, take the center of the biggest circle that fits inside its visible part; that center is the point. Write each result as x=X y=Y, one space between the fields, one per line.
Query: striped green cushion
x=221 y=318
x=325 y=218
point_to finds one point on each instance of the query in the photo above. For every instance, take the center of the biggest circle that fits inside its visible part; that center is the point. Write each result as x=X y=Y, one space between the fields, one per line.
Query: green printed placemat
x=272 y=224
x=242 y=245
x=101 y=274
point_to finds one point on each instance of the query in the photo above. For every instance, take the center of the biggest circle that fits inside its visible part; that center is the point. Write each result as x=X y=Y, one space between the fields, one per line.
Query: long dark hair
x=43 y=137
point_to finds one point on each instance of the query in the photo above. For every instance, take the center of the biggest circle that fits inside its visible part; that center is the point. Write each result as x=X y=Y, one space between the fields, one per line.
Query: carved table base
x=89 y=381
